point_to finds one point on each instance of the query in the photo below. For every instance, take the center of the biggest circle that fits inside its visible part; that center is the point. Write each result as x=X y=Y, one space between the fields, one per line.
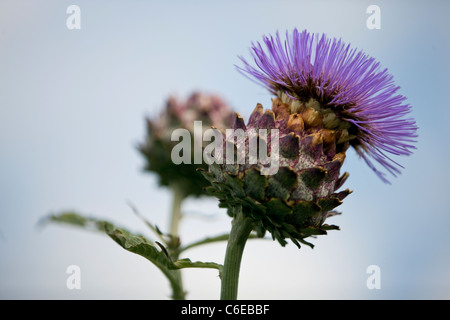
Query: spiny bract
x=295 y=202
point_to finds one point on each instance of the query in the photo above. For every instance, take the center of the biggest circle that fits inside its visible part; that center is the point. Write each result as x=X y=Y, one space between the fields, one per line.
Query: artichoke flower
x=352 y=94
x=327 y=98
x=293 y=202
x=211 y=110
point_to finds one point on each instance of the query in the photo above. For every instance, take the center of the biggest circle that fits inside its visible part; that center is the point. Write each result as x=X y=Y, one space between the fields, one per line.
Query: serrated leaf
x=187 y=263
x=140 y=245
x=134 y=243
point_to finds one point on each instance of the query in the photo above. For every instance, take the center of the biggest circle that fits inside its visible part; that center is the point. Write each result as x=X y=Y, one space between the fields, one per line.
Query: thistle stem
x=176 y=280
x=177 y=285
x=178 y=197
x=240 y=231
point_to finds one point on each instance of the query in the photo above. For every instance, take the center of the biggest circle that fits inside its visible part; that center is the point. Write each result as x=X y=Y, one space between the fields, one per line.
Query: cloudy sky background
x=72 y=108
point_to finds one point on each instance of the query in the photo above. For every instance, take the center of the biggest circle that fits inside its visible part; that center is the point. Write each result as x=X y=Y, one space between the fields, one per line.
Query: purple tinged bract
x=344 y=80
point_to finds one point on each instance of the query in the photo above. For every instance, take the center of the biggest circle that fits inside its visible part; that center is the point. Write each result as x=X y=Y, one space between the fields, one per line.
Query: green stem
x=176 y=280
x=178 y=197
x=240 y=231
x=177 y=285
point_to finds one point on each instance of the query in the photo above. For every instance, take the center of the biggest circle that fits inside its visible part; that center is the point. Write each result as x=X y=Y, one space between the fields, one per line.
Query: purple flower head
x=355 y=95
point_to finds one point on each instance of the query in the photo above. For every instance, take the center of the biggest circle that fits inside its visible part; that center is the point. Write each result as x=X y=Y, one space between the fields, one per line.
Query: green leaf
x=187 y=263
x=75 y=219
x=134 y=243
x=139 y=245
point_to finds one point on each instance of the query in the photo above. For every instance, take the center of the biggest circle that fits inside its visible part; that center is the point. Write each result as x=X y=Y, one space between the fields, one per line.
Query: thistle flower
x=328 y=97
x=294 y=200
x=343 y=89
x=211 y=110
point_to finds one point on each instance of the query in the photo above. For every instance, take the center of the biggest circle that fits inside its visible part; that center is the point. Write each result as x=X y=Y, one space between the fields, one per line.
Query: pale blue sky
x=72 y=108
